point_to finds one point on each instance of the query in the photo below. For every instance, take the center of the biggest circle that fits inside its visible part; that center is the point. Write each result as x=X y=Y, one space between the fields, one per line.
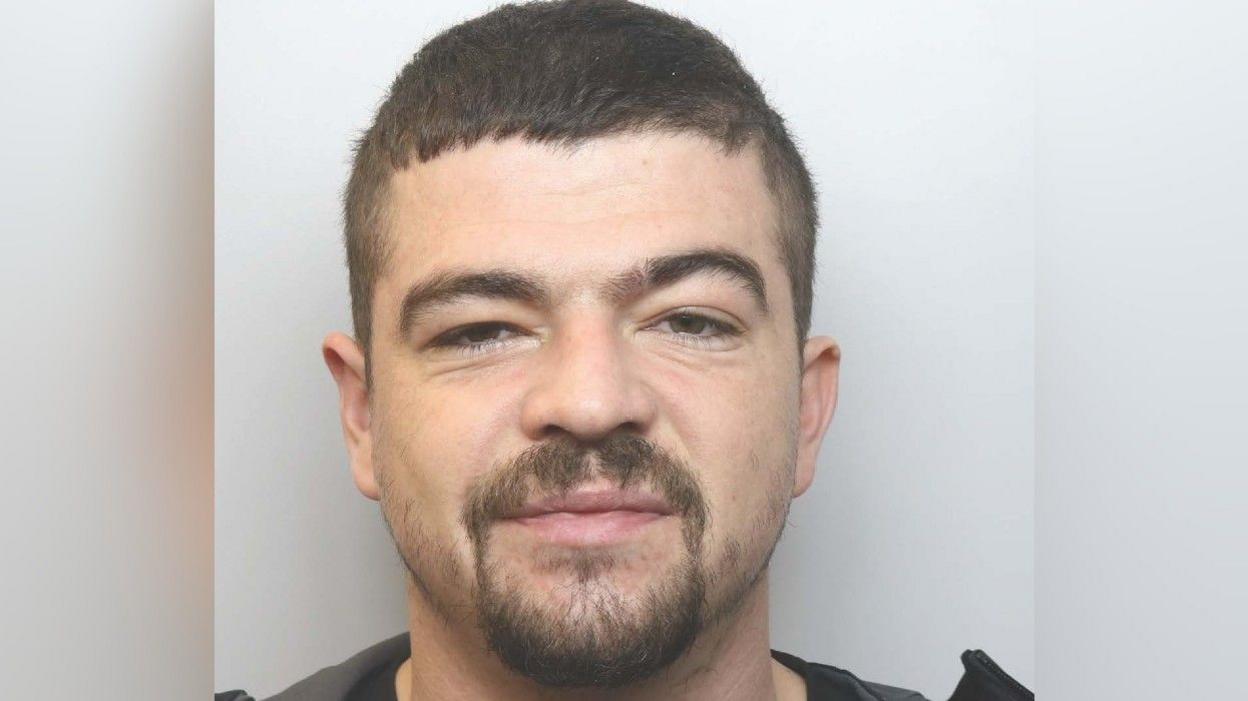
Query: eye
x=476 y=338
x=693 y=324
x=696 y=329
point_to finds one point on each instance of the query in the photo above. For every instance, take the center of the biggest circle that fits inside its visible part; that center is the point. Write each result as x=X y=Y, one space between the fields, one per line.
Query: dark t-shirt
x=823 y=683
x=378 y=685
x=369 y=676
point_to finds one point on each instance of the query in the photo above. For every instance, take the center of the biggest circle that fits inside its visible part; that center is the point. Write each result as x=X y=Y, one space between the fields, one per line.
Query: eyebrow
x=662 y=271
x=447 y=288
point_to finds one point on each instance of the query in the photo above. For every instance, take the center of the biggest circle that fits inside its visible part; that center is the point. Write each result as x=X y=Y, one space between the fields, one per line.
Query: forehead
x=577 y=212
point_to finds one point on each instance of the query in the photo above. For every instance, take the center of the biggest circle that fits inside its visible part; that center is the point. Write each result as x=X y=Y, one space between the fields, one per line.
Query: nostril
x=630 y=427
x=553 y=432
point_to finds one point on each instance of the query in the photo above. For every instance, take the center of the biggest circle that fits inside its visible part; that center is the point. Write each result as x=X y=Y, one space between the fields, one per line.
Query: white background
x=1142 y=341
x=106 y=358
x=916 y=542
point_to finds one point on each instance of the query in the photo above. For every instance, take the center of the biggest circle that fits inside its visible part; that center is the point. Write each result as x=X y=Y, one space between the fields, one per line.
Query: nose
x=586 y=386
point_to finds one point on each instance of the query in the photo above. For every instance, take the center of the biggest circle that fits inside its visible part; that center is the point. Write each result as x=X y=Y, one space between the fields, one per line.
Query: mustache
x=559 y=465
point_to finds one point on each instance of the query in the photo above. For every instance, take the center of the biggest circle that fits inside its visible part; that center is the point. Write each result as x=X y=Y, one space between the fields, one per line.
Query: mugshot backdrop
x=916 y=540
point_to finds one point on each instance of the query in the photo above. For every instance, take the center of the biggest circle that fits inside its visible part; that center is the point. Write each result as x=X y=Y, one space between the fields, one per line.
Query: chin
x=585 y=622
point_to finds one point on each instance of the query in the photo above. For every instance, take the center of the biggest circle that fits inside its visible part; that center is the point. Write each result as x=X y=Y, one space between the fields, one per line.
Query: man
x=581 y=386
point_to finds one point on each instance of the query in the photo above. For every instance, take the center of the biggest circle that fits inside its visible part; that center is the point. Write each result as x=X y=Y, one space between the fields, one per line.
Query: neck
x=729 y=661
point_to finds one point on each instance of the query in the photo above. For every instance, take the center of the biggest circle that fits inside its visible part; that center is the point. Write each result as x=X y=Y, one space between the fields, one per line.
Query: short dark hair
x=564 y=72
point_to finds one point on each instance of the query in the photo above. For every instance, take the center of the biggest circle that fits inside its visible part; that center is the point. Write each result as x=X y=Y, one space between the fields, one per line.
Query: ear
x=346 y=363
x=821 y=363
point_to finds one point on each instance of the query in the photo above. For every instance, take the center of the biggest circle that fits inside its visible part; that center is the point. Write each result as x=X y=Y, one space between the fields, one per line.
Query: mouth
x=590 y=517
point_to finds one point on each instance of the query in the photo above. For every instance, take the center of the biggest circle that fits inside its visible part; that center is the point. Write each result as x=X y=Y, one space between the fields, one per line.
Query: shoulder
x=828 y=683
x=334 y=683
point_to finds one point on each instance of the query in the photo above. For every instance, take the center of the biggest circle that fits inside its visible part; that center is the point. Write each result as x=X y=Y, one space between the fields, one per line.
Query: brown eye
x=690 y=328
x=476 y=337
x=482 y=333
x=689 y=323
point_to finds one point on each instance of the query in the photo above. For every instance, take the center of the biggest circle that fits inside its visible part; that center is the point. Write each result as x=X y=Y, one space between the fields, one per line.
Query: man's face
x=584 y=411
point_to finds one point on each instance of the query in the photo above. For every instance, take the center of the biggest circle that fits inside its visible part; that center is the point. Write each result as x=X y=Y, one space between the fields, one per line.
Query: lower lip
x=590 y=528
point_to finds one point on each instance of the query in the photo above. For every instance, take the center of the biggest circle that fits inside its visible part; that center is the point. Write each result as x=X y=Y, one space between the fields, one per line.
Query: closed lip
x=594 y=501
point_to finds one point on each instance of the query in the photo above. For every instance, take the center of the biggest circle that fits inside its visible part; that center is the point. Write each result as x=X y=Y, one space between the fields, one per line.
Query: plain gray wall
x=106 y=304
x=917 y=539
x=1142 y=336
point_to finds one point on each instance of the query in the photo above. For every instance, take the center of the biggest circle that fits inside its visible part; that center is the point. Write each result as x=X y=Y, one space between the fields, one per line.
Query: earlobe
x=820 y=370
x=346 y=363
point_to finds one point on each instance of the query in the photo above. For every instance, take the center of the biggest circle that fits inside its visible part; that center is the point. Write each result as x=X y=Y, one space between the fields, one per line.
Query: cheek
x=705 y=399
x=736 y=425
x=436 y=441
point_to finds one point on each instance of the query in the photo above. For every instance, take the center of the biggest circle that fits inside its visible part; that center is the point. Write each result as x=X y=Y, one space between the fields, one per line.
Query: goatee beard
x=600 y=637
